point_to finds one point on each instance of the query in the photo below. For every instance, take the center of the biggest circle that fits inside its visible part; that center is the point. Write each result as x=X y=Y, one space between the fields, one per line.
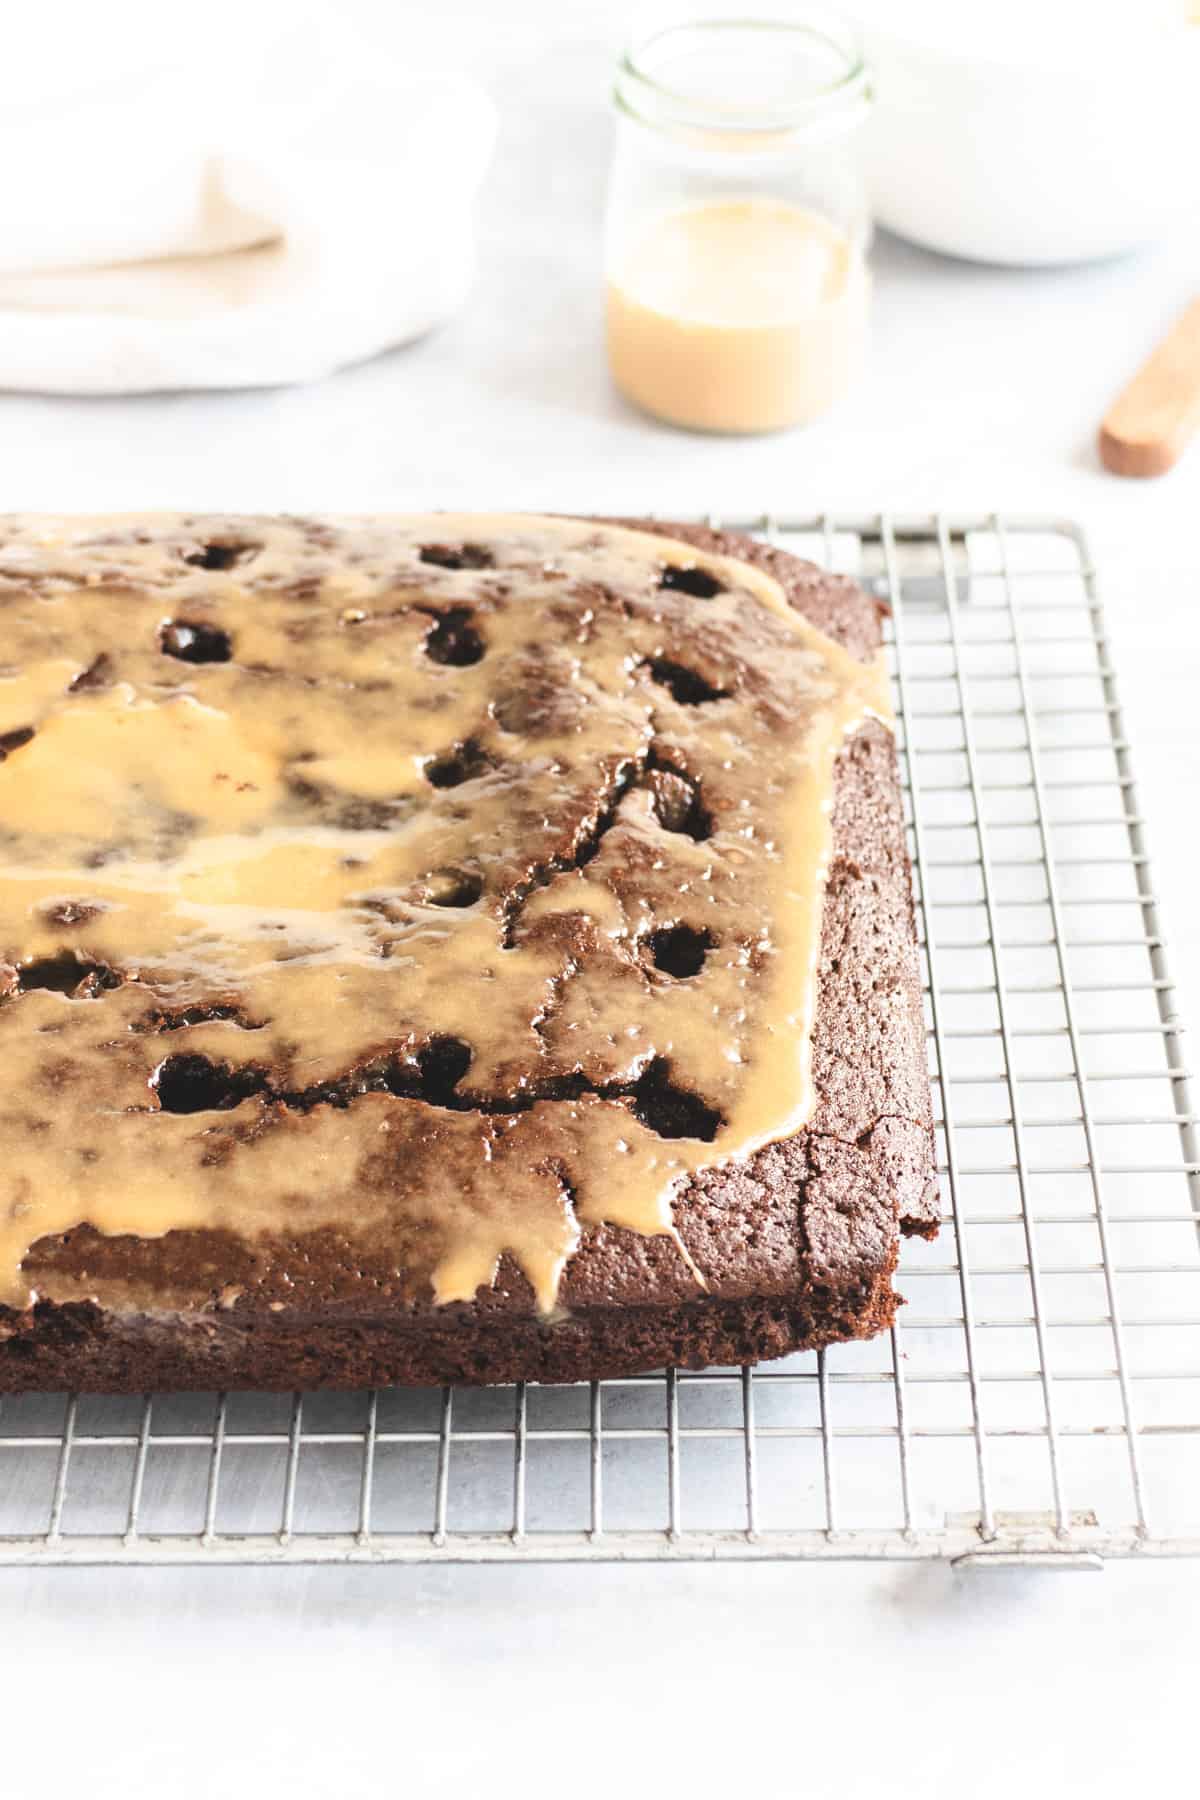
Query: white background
x=984 y=392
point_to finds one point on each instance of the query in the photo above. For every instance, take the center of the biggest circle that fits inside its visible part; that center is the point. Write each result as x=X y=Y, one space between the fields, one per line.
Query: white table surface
x=984 y=392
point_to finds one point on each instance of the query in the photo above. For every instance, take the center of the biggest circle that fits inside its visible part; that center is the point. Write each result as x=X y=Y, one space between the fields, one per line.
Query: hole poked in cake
x=677 y=802
x=691 y=580
x=192 y=1083
x=462 y=762
x=457 y=556
x=686 y=686
x=15 y=740
x=452 y=886
x=454 y=639
x=680 y=950
x=219 y=557
x=69 y=974
x=672 y=1111
x=194 y=641
x=433 y=1073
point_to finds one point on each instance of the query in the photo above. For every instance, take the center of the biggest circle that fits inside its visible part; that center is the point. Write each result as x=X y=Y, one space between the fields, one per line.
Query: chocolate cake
x=455 y=948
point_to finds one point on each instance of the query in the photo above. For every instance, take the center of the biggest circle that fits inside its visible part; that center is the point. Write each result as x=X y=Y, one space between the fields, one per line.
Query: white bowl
x=1033 y=133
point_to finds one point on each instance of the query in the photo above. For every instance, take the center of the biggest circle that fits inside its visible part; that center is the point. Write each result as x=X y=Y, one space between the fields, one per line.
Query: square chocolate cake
x=445 y=948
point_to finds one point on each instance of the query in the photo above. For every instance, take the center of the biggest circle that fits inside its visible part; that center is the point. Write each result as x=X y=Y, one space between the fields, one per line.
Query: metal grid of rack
x=1039 y=1399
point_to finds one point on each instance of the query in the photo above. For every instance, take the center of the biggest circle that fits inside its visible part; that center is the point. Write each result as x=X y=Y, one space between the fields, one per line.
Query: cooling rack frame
x=1036 y=1404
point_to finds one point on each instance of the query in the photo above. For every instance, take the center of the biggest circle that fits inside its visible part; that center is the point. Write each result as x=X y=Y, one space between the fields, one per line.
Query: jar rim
x=648 y=96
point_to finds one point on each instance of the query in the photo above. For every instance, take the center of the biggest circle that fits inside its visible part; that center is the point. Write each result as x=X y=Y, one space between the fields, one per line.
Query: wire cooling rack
x=1039 y=1399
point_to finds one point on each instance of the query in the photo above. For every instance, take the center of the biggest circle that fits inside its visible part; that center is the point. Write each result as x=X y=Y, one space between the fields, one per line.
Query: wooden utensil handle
x=1148 y=427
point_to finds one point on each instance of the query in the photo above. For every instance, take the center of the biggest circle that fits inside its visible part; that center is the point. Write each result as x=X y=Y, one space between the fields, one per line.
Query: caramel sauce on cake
x=450 y=879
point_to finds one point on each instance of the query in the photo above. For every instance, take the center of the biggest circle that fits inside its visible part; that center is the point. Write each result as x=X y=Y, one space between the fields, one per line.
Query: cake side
x=796 y=1247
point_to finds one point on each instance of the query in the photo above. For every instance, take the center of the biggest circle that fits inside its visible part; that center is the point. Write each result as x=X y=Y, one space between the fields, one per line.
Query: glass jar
x=735 y=254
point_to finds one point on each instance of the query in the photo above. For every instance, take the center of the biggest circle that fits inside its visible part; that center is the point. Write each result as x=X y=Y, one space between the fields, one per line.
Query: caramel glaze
x=457 y=878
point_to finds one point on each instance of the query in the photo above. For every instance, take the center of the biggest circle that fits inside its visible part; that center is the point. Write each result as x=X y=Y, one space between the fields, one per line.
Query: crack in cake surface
x=197 y=844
